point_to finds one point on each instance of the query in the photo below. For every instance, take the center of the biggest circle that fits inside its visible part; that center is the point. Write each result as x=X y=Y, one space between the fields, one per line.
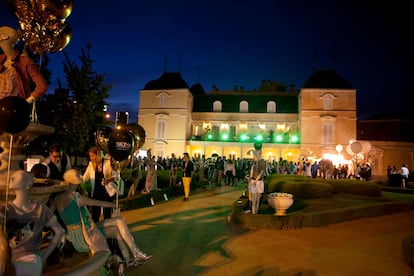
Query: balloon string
x=34 y=113
x=8 y=182
x=119 y=181
x=40 y=62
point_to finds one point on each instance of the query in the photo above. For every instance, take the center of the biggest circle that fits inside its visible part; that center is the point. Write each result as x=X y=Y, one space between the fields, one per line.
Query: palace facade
x=319 y=121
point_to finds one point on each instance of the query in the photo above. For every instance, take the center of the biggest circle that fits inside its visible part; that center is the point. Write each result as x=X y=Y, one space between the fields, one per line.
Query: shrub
x=308 y=189
x=304 y=187
x=357 y=187
x=299 y=186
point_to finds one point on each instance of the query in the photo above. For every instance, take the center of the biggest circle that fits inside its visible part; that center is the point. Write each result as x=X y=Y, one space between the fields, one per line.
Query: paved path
x=192 y=238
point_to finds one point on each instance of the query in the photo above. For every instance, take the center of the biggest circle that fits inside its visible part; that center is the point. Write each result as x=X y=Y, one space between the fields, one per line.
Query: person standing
x=307 y=168
x=314 y=169
x=187 y=168
x=221 y=161
x=230 y=173
x=57 y=163
x=239 y=169
x=201 y=168
x=404 y=175
x=101 y=175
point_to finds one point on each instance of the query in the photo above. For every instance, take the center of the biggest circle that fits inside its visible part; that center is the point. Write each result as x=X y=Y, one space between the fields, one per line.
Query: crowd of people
x=220 y=170
x=88 y=219
x=400 y=175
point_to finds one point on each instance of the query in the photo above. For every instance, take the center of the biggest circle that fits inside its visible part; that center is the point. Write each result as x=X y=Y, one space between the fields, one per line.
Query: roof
x=327 y=79
x=197 y=90
x=167 y=81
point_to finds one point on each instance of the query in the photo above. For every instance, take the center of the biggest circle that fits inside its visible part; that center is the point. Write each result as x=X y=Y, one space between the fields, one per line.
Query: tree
x=77 y=111
x=89 y=93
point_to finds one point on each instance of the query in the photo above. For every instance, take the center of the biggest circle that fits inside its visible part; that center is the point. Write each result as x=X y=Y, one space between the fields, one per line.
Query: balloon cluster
x=14 y=114
x=120 y=143
x=42 y=23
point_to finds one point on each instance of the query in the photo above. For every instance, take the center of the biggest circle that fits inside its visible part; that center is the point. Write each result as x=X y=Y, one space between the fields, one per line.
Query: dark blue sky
x=230 y=42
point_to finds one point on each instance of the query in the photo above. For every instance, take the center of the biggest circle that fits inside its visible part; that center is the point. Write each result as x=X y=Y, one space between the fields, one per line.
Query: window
x=327 y=103
x=232 y=131
x=328 y=99
x=163 y=101
x=215 y=130
x=217 y=106
x=271 y=107
x=161 y=130
x=328 y=132
x=244 y=106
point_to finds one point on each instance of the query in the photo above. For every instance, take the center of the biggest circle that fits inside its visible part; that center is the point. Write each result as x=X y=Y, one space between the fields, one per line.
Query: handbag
x=115 y=187
x=111 y=189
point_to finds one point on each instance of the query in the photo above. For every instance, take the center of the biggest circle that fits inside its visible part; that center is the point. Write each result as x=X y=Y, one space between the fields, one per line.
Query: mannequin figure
x=17 y=70
x=72 y=208
x=256 y=180
x=25 y=223
x=151 y=178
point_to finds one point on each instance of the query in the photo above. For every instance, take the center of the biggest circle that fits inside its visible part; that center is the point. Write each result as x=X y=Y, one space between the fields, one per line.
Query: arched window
x=327 y=103
x=161 y=121
x=271 y=107
x=217 y=106
x=328 y=99
x=163 y=100
x=328 y=130
x=244 y=106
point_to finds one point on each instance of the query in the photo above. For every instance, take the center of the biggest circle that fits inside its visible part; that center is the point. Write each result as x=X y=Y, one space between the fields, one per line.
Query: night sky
x=228 y=42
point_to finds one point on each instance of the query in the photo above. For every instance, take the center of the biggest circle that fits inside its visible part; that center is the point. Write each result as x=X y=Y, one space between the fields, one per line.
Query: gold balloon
x=22 y=9
x=55 y=9
x=61 y=38
x=41 y=23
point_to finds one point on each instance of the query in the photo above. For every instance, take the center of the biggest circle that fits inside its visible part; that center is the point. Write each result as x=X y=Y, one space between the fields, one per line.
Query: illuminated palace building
x=318 y=121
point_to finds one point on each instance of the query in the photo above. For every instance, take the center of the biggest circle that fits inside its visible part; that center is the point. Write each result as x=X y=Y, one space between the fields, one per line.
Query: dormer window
x=217 y=106
x=163 y=99
x=271 y=107
x=328 y=99
x=244 y=106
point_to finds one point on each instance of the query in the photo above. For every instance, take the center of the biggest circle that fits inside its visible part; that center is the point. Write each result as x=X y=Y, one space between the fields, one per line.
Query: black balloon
x=139 y=134
x=14 y=114
x=120 y=144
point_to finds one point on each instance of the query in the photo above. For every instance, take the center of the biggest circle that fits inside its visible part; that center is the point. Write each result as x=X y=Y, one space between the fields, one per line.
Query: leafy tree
x=77 y=111
x=89 y=93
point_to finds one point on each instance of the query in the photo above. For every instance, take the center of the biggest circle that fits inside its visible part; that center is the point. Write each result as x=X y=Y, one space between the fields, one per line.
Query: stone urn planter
x=280 y=202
